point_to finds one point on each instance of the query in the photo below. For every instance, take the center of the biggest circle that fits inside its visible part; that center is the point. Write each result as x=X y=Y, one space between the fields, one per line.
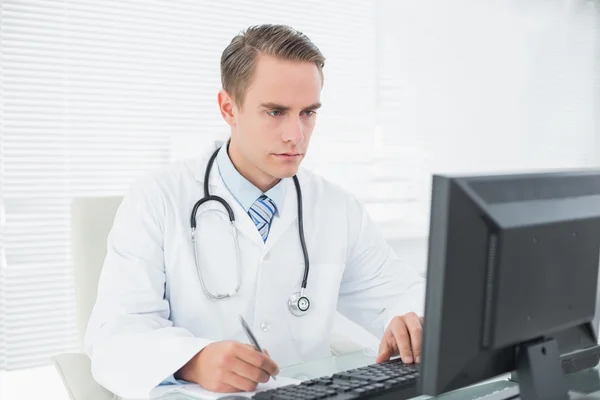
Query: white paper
x=198 y=392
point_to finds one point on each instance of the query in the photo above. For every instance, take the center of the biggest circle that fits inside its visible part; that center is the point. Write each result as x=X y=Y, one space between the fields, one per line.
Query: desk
x=585 y=382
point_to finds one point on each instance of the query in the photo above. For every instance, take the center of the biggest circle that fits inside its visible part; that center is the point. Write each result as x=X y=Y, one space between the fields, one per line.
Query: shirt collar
x=242 y=189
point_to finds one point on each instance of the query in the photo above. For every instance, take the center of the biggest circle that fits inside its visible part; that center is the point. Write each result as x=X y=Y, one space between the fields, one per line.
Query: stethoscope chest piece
x=298 y=304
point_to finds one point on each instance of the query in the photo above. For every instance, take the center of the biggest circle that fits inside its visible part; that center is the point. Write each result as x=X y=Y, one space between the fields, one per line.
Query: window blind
x=95 y=93
x=87 y=93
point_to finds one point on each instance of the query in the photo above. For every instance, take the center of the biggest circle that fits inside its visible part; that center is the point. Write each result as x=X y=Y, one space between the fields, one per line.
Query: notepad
x=194 y=391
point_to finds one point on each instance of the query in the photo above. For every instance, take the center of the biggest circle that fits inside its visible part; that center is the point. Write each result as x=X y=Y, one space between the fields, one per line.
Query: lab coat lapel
x=288 y=215
x=243 y=222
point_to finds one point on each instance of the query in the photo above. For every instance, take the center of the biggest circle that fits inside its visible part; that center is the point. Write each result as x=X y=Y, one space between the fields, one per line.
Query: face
x=271 y=131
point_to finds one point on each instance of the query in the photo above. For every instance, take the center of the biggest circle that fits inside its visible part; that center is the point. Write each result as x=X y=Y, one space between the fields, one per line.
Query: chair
x=91 y=221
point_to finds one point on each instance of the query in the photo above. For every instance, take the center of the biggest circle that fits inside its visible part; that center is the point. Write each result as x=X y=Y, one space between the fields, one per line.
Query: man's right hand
x=228 y=367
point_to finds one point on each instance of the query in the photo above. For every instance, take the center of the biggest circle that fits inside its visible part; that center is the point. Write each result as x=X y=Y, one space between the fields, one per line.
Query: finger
x=384 y=354
x=239 y=382
x=402 y=338
x=415 y=330
x=221 y=388
x=268 y=355
x=258 y=359
x=250 y=372
x=387 y=348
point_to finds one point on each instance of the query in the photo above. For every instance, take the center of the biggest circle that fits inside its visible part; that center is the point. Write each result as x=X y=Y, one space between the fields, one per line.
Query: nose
x=293 y=131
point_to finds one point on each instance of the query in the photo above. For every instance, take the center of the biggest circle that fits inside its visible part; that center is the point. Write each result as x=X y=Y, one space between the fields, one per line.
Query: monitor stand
x=540 y=374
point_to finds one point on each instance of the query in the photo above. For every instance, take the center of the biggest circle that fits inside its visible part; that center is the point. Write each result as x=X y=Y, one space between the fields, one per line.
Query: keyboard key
x=262 y=396
x=341 y=375
x=282 y=397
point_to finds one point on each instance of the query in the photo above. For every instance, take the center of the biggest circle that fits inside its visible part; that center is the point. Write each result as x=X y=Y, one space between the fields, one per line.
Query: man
x=157 y=319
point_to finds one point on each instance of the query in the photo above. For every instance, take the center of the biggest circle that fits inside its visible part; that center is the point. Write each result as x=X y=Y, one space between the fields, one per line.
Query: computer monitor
x=512 y=280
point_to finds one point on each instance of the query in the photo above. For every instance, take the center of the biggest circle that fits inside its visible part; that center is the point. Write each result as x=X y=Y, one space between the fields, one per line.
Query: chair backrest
x=91 y=221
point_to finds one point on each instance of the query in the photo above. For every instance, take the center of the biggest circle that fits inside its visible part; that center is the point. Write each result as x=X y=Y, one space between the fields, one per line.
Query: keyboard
x=388 y=380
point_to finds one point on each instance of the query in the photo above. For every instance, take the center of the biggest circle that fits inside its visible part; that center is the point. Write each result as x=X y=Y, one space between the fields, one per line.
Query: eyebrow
x=276 y=106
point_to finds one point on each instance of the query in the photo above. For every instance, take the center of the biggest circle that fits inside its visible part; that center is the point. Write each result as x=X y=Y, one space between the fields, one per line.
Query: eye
x=309 y=113
x=275 y=113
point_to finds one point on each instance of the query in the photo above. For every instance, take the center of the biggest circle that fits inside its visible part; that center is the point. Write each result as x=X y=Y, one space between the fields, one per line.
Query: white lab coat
x=151 y=315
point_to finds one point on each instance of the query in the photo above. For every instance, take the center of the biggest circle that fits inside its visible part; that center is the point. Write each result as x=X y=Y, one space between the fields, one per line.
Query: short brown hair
x=238 y=60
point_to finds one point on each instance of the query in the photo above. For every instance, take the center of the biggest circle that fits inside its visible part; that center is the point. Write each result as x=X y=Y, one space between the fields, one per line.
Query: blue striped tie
x=262 y=212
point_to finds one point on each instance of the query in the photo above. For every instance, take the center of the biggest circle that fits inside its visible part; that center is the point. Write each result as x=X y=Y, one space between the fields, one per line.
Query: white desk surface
x=585 y=382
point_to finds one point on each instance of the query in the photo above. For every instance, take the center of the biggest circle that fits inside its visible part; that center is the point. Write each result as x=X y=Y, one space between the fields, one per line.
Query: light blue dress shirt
x=246 y=194
x=242 y=190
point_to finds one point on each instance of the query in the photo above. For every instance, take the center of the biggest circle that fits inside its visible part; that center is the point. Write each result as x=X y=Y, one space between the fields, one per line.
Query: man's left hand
x=402 y=337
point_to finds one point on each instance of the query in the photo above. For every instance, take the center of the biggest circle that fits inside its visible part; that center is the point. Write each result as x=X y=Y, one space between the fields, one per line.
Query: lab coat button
x=265 y=326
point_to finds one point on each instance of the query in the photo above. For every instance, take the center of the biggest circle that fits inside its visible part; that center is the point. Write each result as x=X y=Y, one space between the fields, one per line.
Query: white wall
x=490 y=86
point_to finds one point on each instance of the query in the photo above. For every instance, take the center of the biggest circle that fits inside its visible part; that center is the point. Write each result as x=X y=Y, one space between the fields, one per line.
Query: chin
x=285 y=169
x=285 y=172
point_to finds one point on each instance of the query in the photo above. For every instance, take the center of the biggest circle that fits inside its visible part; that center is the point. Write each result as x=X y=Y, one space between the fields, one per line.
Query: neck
x=258 y=178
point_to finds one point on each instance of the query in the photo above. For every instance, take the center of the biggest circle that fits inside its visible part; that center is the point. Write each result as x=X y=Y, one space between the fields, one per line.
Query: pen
x=251 y=337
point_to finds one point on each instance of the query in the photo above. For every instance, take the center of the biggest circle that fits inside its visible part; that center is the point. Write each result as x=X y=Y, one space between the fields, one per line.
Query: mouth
x=288 y=156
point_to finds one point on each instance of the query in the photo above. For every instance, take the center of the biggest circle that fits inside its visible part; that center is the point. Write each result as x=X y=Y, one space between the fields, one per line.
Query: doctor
x=168 y=306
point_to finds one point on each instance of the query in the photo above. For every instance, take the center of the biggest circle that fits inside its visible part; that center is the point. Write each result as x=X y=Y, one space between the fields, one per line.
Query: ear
x=227 y=107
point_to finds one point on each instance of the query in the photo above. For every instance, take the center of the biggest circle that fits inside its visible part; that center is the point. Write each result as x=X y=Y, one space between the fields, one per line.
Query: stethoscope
x=298 y=303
